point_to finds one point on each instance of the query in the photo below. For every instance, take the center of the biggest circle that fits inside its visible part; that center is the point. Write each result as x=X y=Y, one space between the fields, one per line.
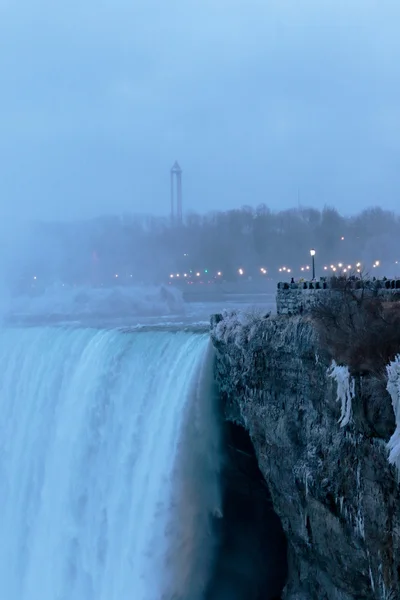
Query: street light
x=312 y=252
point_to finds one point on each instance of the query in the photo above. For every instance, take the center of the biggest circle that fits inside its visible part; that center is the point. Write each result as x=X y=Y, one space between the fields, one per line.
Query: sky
x=261 y=101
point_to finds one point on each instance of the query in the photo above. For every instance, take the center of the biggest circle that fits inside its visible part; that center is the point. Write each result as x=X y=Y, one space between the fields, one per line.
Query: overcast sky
x=259 y=100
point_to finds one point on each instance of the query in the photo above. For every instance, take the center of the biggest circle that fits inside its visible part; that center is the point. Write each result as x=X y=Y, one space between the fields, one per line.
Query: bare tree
x=358 y=326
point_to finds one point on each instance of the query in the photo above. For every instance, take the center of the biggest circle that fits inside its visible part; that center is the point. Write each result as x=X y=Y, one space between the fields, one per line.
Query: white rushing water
x=108 y=449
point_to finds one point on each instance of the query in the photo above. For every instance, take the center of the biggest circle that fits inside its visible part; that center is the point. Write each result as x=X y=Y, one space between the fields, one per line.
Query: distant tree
x=150 y=248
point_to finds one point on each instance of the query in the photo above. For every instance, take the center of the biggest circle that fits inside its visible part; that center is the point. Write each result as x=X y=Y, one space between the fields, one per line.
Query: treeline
x=148 y=249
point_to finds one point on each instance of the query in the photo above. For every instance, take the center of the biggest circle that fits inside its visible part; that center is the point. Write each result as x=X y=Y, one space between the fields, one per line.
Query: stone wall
x=300 y=297
x=294 y=300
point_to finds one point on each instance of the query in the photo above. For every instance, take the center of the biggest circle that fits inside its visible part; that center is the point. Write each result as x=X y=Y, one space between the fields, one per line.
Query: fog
x=247 y=244
x=262 y=103
x=284 y=108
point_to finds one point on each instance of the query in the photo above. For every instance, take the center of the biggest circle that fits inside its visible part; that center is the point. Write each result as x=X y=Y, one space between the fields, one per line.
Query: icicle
x=360 y=523
x=345 y=390
x=393 y=387
x=371 y=577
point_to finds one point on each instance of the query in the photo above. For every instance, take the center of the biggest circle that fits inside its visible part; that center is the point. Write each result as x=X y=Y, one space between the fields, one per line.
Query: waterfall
x=108 y=464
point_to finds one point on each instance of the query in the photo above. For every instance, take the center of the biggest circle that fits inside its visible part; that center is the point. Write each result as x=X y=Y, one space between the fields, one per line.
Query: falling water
x=108 y=476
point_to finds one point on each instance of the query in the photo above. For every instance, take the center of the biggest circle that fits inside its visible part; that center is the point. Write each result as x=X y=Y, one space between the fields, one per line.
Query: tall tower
x=176 y=173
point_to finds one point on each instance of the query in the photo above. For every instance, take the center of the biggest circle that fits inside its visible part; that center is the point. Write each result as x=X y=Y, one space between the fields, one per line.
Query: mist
x=273 y=103
x=283 y=117
x=130 y=249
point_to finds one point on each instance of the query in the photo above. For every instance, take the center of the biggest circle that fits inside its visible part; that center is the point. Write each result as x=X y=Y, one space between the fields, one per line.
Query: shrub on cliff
x=358 y=327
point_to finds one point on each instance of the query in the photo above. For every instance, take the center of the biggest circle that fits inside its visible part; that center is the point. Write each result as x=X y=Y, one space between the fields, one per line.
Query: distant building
x=176 y=194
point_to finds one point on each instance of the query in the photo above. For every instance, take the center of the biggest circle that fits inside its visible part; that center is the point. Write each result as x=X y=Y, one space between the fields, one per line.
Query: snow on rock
x=393 y=387
x=235 y=323
x=332 y=487
x=345 y=390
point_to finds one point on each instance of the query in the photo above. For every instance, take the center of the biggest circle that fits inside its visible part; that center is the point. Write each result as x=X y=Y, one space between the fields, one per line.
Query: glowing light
x=116 y=274
x=34 y=277
x=340 y=265
x=283 y=268
x=334 y=268
x=358 y=264
x=280 y=270
x=325 y=268
x=344 y=270
x=349 y=266
x=342 y=238
x=219 y=273
x=302 y=269
x=308 y=268
x=171 y=276
x=185 y=274
x=240 y=271
x=289 y=270
x=377 y=263
x=197 y=274
x=358 y=270
x=312 y=252
x=177 y=275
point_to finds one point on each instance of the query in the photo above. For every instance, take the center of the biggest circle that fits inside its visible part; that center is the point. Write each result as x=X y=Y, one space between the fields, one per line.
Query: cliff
x=322 y=449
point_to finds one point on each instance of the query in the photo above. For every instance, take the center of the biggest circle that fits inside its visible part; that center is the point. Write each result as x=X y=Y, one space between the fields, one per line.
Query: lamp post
x=312 y=252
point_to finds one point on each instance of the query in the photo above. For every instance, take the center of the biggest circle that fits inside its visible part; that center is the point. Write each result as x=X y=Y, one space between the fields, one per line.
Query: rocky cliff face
x=332 y=486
